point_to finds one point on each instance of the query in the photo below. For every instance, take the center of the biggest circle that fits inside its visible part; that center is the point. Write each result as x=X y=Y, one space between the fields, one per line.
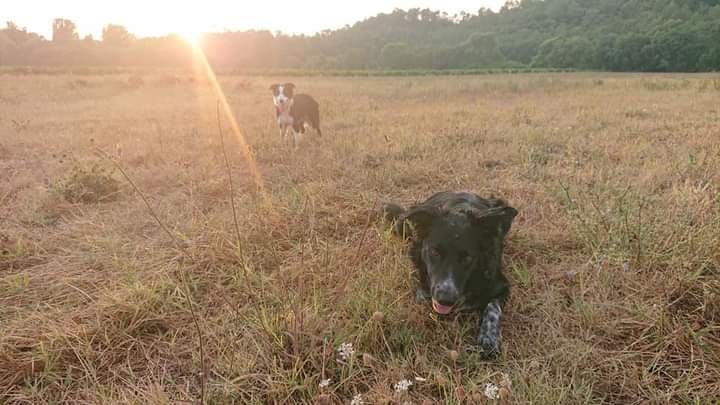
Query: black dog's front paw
x=490 y=336
x=489 y=345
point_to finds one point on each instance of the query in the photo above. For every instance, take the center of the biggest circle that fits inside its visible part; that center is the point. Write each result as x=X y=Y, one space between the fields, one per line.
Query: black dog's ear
x=391 y=212
x=497 y=219
x=416 y=220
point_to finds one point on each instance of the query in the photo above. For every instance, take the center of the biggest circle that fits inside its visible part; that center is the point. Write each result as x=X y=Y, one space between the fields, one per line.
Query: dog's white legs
x=297 y=138
x=284 y=130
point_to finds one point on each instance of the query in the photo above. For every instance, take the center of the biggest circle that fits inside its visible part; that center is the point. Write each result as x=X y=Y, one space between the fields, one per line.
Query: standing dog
x=295 y=110
x=457 y=246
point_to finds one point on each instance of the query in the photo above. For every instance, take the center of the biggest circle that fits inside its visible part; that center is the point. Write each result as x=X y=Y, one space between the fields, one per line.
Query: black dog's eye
x=434 y=252
x=464 y=258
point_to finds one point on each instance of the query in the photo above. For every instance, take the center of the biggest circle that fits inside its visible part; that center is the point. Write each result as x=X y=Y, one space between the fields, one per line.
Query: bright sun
x=192 y=36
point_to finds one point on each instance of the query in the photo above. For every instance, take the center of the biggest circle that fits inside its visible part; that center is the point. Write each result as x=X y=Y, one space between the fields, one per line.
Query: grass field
x=614 y=258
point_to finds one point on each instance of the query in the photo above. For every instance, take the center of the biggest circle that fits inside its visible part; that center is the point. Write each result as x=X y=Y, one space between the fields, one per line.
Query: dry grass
x=614 y=259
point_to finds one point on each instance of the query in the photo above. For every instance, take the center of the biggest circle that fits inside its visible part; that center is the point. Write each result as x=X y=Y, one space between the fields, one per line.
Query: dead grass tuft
x=88 y=183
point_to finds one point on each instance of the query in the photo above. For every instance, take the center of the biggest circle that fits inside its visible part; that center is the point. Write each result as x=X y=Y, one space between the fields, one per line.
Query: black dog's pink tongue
x=440 y=308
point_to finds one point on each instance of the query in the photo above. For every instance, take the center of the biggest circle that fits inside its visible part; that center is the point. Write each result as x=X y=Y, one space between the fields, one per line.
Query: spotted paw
x=489 y=346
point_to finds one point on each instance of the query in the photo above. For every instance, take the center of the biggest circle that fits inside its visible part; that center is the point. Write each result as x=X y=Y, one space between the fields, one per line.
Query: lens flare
x=205 y=71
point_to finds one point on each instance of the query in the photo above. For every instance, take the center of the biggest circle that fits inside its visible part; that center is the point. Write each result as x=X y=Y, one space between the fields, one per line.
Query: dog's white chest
x=285 y=119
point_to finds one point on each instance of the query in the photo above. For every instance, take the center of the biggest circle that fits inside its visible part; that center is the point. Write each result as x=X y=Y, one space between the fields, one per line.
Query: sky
x=189 y=18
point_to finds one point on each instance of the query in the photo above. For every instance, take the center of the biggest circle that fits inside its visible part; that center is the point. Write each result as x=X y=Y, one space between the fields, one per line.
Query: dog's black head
x=282 y=93
x=458 y=252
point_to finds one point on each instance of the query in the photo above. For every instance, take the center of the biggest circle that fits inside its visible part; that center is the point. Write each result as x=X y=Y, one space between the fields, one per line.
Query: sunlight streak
x=202 y=64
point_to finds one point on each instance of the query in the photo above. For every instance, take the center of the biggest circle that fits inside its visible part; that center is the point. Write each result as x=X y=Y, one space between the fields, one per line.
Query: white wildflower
x=420 y=379
x=324 y=383
x=402 y=385
x=345 y=351
x=357 y=400
x=492 y=391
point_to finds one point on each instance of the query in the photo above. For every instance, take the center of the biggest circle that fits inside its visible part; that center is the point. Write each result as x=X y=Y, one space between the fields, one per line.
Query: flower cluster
x=402 y=385
x=345 y=351
x=492 y=391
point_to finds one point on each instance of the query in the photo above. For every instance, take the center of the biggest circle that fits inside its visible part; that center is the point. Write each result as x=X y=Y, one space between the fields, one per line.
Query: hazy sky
x=153 y=17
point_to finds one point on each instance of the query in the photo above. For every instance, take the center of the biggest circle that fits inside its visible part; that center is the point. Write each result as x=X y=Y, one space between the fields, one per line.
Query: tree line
x=615 y=35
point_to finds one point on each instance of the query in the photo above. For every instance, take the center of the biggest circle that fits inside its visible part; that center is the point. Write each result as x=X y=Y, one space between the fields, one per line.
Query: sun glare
x=191 y=36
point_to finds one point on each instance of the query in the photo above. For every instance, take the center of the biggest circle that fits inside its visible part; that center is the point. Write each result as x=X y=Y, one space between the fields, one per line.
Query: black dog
x=294 y=110
x=457 y=246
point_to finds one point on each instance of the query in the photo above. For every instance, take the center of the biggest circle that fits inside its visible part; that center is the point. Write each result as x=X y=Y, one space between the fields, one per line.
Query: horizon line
x=96 y=35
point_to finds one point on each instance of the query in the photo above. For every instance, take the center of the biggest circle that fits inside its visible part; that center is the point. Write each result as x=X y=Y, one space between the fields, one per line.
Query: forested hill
x=618 y=35
x=645 y=35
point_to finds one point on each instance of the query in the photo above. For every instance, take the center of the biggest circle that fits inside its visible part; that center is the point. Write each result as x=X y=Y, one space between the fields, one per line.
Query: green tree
x=64 y=30
x=630 y=52
x=481 y=50
x=116 y=35
x=573 y=52
x=395 y=55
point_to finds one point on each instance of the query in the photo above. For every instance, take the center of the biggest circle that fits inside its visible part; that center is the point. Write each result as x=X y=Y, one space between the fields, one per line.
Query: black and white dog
x=456 y=246
x=293 y=111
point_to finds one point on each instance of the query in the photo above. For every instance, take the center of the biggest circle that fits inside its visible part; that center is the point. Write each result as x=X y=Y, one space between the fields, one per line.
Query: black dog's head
x=282 y=93
x=458 y=251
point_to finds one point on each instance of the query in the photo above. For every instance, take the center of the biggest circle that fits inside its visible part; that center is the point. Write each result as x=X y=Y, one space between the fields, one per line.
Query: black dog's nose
x=446 y=294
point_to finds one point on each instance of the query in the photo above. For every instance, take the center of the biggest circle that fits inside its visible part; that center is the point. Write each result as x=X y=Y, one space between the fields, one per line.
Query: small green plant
x=88 y=184
x=20 y=125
